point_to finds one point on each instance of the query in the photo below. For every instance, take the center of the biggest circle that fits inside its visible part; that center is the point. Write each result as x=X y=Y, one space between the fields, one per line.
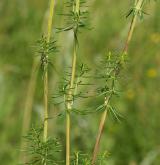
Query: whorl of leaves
x=40 y=152
x=109 y=72
x=44 y=50
x=137 y=10
x=61 y=97
x=80 y=158
x=75 y=20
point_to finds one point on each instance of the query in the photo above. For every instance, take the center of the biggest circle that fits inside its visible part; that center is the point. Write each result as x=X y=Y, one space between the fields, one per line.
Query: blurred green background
x=134 y=141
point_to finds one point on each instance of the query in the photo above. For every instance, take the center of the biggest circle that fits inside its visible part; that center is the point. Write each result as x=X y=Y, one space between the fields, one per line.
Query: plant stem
x=50 y=19
x=130 y=33
x=104 y=115
x=70 y=103
x=50 y=22
x=68 y=138
x=138 y=5
x=45 y=106
x=100 y=131
x=29 y=97
x=71 y=86
x=29 y=104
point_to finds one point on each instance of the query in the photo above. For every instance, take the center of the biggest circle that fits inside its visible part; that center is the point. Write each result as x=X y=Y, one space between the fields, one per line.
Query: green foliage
x=21 y=25
x=40 y=152
x=81 y=81
x=75 y=19
x=80 y=158
x=45 y=50
x=138 y=10
x=110 y=74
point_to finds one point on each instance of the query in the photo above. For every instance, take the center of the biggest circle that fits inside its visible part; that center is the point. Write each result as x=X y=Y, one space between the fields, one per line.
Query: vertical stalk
x=45 y=133
x=30 y=96
x=31 y=91
x=100 y=131
x=29 y=104
x=70 y=102
x=130 y=33
x=71 y=86
x=50 y=22
x=138 y=6
x=68 y=122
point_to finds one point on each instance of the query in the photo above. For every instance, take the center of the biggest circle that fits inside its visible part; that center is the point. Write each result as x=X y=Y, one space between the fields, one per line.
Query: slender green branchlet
x=50 y=22
x=45 y=49
x=71 y=86
x=137 y=12
x=41 y=147
x=28 y=104
x=40 y=152
x=76 y=22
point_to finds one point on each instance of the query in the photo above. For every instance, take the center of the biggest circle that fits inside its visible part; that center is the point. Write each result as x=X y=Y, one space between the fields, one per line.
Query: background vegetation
x=133 y=141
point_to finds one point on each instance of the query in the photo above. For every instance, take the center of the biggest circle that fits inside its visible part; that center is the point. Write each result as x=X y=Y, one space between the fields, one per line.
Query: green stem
x=100 y=131
x=71 y=91
x=28 y=105
x=106 y=102
x=67 y=138
x=101 y=128
x=138 y=5
x=50 y=19
x=70 y=103
x=50 y=22
x=45 y=133
x=130 y=33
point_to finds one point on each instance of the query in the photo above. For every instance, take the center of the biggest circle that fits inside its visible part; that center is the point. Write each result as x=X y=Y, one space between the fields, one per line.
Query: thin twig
x=104 y=115
x=70 y=92
x=50 y=22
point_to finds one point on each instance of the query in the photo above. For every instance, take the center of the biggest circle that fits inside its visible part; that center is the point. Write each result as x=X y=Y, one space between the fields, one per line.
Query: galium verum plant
x=112 y=71
x=42 y=152
x=41 y=148
x=47 y=47
x=76 y=20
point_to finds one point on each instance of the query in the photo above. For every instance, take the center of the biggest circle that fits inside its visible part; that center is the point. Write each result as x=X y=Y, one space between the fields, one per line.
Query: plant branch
x=50 y=22
x=100 y=131
x=138 y=6
x=29 y=104
x=71 y=86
